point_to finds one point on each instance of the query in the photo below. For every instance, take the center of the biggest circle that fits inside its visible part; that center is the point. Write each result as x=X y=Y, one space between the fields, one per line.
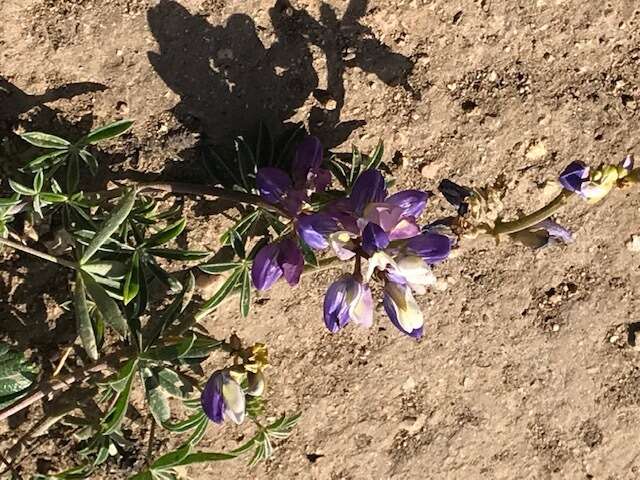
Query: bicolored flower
x=282 y=259
x=402 y=309
x=347 y=299
x=594 y=184
x=278 y=187
x=223 y=398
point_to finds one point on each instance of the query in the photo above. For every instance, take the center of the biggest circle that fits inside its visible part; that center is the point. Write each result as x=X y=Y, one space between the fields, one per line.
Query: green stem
x=534 y=218
x=37 y=253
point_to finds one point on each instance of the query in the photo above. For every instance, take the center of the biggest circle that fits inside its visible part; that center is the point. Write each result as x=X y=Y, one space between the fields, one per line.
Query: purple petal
x=556 y=231
x=573 y=176
x=433 y=247
x=211 y=398
x=291 y=261
x=266 y=269
x=390 y=308
x=406 y=228
x=314 y=229
x=336 y=309
x=273 y=183
x=308 y=157
x=368 y=188
x=627 y=162
x=374 y=238
x=412 y=202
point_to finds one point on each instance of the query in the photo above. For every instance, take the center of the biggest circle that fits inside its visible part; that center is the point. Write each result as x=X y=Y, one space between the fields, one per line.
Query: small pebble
x=633 y=245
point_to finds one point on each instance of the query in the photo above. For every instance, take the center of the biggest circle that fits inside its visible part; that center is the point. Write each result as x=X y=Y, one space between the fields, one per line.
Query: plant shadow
x=228 y=80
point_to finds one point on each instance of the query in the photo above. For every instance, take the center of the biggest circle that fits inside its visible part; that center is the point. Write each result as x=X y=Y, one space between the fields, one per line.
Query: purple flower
x=276 y=260
x=222 y=398
x=305 y=170
x=544 y=234
x=412 y=202
x=315 y=228
x=402 y=309
x=574 y=176
x=347 y=299
x=374 y=238
x=277 y=187
x=433 y=247
x=368 y=188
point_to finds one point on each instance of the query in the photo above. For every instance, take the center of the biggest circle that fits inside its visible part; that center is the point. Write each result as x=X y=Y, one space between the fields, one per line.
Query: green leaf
x=108 y=131
x=375 y=158
x=356 y=164
x=199 y=431
x=118 y=381
x=308 y=254
x=47 y=160
x=132 y=280
x=157 y=325
x=171 y=459
x=167 y=234
x=90 y=161
x=116 y=218
x=83 y=319
x=156 y=397
x=222 y=292
x=45 y=140
x=338 y=171
x=187 y=424
x=38 y=181
x=114 y=418
x=237 y=244
x=245 y=293
x=201 y=457
x=73 y=174
x=16 y=375
x=173 y=254
x=49 y=197
x=241 y=227
x=173 y=383
x=246 y=162
x=21 y=189
x=215 y=268
x=106 y=305
x=162 y=275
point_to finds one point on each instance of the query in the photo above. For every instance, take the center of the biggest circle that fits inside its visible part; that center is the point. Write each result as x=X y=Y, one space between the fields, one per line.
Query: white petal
x=407 y=310
x=234 y=402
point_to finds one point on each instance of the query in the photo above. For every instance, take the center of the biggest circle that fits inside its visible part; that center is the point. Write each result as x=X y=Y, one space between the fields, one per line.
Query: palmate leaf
x=117 y=217
x=221 y=294
x=16 y=375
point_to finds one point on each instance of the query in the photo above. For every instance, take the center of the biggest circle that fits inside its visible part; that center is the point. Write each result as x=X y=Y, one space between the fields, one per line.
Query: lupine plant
x=301 y=210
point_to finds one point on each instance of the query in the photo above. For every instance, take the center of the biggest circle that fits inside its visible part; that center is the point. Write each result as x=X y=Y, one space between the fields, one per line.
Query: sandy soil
x=529 y=368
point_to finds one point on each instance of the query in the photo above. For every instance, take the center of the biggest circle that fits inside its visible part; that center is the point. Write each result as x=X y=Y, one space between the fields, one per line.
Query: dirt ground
x=529 y=367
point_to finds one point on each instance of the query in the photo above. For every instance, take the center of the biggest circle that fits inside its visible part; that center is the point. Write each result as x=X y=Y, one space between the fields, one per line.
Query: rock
x=633 y=245
x=536 y=151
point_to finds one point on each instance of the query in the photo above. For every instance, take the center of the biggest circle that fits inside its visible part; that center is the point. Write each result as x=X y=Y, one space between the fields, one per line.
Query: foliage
x=294 y=202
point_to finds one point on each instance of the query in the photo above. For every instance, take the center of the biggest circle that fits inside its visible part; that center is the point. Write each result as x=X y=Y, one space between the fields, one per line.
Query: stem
x=38 y=253
x=534 y=218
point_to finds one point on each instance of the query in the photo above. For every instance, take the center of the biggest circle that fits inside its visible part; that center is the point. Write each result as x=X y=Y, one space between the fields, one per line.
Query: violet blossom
x=223 y=398
x=594 y=185
x=347 y=299
x=282 y=259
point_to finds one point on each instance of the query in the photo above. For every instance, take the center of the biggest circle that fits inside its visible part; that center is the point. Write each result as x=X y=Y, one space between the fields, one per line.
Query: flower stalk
x=528 y=221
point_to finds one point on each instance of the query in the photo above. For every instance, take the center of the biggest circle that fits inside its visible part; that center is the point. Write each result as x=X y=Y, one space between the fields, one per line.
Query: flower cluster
x=366 y=225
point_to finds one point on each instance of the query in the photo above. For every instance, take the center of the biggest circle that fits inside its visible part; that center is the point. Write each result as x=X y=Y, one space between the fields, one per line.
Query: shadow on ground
x=228 y=80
